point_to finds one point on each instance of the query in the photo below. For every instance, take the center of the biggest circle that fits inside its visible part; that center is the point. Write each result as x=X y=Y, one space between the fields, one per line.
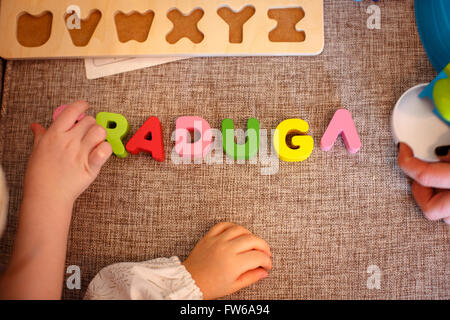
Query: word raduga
x=291 y=141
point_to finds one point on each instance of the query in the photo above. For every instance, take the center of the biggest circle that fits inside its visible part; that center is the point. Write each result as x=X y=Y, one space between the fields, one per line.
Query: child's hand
x=66 y=158
x=427 y=177
x=228 y=259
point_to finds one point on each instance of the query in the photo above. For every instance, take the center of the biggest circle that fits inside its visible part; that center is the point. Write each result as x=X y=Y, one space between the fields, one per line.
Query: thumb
x=443 y=153
x=38 y=131
x=250 y=277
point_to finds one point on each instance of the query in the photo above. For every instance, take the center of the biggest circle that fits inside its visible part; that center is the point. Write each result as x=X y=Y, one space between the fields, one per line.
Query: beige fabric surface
x=327 y=219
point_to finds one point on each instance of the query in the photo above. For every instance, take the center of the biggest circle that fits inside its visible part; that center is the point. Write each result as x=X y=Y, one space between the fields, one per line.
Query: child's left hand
x=228 y=258
x=66 y=158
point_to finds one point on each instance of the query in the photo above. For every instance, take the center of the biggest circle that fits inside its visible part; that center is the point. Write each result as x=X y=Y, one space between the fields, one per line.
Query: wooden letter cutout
x=185 y=26
x=285 y=31
x=236 y=21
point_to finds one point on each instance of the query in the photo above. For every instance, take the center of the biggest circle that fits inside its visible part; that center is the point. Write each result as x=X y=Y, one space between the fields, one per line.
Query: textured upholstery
x=327 y=219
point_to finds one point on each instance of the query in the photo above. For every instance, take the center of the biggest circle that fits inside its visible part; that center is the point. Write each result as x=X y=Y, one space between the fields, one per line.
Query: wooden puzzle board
x=105 y=41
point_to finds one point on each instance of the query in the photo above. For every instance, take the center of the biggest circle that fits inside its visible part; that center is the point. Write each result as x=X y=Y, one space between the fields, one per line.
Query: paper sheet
x=99 y=68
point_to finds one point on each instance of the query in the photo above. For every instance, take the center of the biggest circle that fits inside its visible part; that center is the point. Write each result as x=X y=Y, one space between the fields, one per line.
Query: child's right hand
x=228 y=259
x=66 y=158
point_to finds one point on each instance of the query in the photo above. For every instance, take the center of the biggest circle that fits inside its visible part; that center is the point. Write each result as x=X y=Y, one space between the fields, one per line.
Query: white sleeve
x=159 y=279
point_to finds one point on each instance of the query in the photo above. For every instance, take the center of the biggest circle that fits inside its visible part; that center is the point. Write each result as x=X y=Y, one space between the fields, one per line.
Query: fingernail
x=442 y=151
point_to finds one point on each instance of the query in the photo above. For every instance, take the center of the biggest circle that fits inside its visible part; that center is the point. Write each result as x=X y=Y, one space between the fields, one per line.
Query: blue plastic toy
x=433 y=23
x=438 y=91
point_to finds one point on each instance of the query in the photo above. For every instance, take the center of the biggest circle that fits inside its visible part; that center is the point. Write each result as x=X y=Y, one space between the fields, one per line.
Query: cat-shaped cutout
x=82 y=36
x=34 y=31
x=134 y=26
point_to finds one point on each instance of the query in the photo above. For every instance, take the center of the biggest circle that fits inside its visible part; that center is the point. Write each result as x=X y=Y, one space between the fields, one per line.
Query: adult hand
x=431 y=181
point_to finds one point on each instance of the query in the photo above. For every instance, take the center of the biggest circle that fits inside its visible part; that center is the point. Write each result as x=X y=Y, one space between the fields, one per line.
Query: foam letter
x=149 y=138
x=241 y=151
x=302 y=144
x=184 y=127
x=341 y=124
x=117 y=128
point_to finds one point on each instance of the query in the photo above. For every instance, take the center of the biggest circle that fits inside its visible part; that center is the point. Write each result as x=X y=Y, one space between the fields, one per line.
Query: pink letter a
x=342 y=123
